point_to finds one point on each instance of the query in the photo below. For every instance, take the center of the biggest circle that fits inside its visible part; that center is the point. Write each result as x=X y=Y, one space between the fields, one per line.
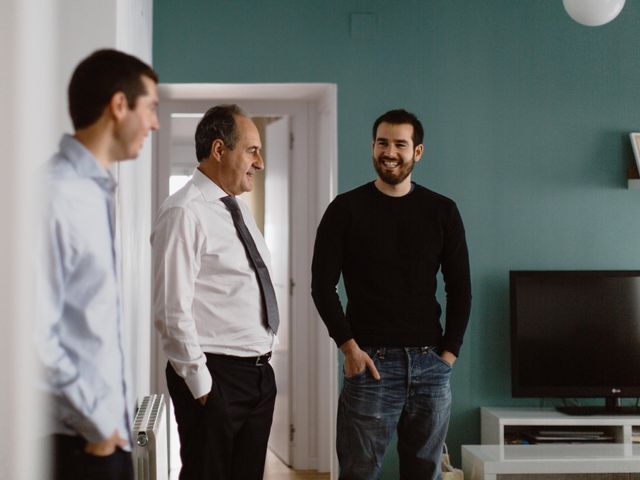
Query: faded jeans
x=413 y=396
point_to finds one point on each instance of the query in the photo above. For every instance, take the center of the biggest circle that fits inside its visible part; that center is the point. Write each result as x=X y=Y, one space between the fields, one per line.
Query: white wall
x=26 y=57
x=134 y=33
x=82 y=27
x=40 y=44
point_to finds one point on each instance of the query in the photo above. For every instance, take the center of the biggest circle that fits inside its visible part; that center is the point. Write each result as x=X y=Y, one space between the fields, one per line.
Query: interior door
x=276 y=233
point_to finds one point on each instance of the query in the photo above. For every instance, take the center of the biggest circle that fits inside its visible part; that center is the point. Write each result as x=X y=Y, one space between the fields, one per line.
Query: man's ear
x=418 y=152
x=217 y=149
x=118 y=106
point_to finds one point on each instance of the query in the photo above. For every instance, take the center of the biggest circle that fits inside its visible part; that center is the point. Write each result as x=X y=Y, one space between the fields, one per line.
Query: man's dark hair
x=218 y=123
x=398 y=117
x=98 y=77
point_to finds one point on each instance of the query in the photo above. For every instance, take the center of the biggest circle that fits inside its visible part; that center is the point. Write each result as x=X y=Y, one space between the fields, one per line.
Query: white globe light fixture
x=593 y=13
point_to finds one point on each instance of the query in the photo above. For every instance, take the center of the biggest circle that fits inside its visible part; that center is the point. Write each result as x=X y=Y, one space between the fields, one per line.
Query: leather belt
x=258 y=361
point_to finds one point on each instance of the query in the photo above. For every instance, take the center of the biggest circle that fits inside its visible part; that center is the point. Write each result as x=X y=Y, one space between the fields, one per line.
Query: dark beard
x=394 y=178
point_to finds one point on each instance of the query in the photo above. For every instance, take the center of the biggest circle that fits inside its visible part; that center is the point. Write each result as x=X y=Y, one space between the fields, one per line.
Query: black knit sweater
x=389 y=250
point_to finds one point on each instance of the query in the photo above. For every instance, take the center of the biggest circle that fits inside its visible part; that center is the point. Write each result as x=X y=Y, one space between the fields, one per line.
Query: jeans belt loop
x=424 y=350
x=381 y=351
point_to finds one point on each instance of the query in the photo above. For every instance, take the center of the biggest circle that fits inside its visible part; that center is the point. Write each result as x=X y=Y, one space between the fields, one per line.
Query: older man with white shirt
x=214 y=305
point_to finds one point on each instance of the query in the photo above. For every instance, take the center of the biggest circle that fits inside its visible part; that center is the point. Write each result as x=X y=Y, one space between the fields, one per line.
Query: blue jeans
x=412 y=396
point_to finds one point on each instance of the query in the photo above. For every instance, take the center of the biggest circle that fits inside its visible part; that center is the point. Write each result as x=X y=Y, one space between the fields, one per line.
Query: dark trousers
x=70 y=462
x=226 y=439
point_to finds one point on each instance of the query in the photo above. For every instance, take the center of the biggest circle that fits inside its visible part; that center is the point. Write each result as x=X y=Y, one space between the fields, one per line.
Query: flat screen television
x=576 y=334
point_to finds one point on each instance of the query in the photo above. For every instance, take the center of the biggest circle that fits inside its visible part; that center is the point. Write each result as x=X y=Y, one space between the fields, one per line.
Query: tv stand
x=598 y=410
x=502 y=426
x=597 y=444
x=612 y=406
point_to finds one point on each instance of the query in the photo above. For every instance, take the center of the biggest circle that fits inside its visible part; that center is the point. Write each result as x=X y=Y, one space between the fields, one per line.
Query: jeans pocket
x=441 y=360
x=372 y=353
x=356 y=375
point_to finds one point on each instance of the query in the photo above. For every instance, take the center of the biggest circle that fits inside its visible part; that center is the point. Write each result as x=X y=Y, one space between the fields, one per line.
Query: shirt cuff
x=98 y=427
x=106 y=423
x=200 y=383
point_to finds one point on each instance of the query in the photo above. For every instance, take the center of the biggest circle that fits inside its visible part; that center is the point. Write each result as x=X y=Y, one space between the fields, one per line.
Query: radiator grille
x=150 y=433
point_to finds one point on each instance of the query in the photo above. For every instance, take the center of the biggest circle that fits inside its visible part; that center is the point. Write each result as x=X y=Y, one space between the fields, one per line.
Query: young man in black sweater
x=388 y=239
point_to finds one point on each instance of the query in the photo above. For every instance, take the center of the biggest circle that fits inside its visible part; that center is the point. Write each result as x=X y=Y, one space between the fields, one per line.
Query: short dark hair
x=398 y=117
x=218 y=123
x=98 y=77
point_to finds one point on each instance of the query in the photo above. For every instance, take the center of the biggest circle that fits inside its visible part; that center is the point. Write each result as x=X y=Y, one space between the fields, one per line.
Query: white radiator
x=150 y=451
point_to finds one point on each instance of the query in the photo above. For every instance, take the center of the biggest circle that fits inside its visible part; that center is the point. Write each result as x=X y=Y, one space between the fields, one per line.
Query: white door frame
x=276 y=148
x=314 y=172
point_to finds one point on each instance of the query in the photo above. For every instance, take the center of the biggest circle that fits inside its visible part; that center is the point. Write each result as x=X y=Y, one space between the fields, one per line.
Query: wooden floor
x=276 y=470
x=572 y=476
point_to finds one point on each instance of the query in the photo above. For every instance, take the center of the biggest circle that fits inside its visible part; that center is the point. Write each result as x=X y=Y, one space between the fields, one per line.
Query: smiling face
x=135 y=124
x=238 y=166
x=394 y=154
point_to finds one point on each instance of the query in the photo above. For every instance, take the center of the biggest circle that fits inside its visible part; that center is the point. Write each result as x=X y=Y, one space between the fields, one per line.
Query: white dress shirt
x=79 y=334
x=206 y=294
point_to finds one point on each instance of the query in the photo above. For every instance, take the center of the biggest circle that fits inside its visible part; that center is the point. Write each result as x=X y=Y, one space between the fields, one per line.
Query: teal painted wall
x=526 y=116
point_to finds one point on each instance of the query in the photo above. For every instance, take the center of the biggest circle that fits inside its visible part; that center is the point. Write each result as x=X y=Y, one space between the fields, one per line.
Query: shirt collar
x=85 y=163
x=209 y=189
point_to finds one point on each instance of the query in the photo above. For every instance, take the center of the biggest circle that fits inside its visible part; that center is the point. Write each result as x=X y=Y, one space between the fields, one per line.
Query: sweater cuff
x=451 y=347
x=342 y=337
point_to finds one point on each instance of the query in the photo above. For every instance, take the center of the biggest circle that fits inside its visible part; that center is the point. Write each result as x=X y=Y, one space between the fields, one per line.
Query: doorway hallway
x=303 y=435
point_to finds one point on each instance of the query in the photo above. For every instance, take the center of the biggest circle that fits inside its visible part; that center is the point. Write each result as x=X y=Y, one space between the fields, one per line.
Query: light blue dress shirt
x=79 y=329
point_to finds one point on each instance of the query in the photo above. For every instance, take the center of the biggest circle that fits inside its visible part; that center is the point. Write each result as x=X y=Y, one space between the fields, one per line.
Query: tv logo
x=616 y=390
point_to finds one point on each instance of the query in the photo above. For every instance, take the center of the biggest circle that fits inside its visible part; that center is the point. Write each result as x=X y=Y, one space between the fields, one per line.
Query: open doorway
x=269 y=203
x=298 y=129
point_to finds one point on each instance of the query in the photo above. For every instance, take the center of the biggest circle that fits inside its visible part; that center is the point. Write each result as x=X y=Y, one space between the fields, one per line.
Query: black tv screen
x=575 y=333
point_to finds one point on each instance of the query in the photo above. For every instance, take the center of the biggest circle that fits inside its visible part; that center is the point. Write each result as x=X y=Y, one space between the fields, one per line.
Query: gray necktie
x=264 y=279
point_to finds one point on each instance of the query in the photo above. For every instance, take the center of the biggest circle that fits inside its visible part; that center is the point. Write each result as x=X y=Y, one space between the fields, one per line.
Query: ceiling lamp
x=593 y=13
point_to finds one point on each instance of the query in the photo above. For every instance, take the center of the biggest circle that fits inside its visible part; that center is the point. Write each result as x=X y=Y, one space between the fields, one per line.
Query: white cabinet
x=565 y=444
x=512 y=424
x=487 y=462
